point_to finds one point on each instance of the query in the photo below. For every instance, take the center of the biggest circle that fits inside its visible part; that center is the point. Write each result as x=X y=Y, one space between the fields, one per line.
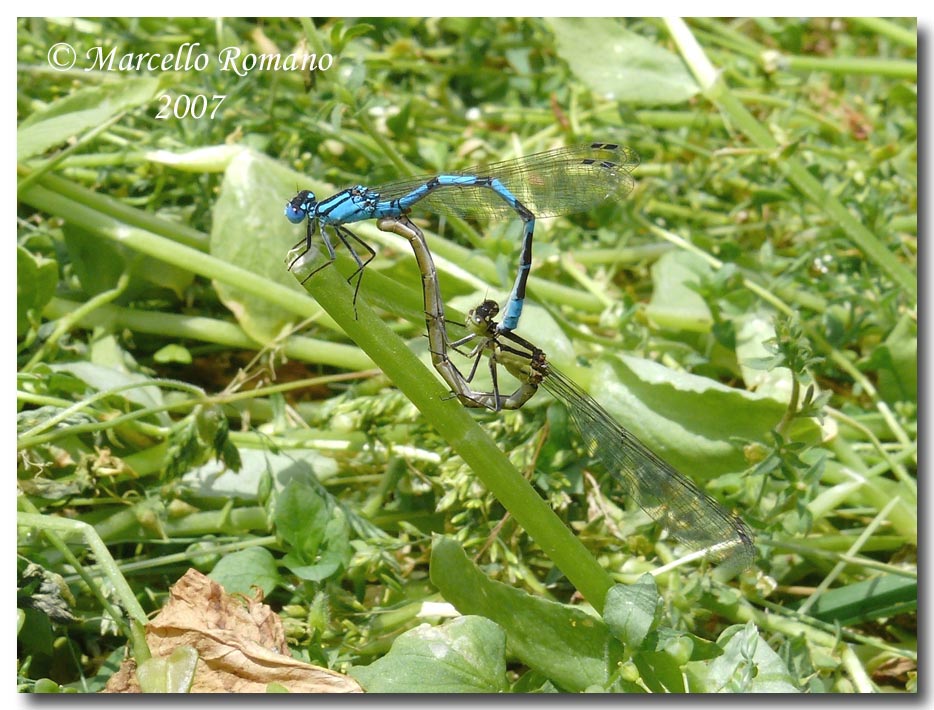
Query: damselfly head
x=482 y=316
x=488 y=310
x=300 y=207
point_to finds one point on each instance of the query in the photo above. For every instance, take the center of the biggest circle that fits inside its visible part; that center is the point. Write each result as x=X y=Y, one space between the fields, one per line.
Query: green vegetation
x=750 y=312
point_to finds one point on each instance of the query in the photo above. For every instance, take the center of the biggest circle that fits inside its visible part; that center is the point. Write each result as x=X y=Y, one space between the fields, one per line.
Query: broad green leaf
x=310 y=573
x=301 y=519
x=318 y=536
x=897 y=358
x=79 y=112
x=466 y=655
x=251 y=203
x=36 y=637
x=674 y=304
x=567 y=645
x=533 y=682
x=241 y=571
x=684 y=645
x=621 y=65
x=36 y=279
x=660 y=671
x=333 y=555
x=692 y=422
x=98 y=263
x=632 y=611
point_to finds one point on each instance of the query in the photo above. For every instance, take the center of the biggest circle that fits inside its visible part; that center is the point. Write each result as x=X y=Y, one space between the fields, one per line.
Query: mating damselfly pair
x=556 y=182
x=546 y=184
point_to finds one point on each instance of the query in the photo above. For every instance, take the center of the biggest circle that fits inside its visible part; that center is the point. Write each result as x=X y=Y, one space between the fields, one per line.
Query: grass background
x=766 y=257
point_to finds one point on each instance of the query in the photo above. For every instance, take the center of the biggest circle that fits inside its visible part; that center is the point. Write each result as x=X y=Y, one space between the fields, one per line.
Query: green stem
x=791 y=624
x=194 y=554
x=117 y=210
x=792 y=407
x=892 y=462
x=894 y=68
x=209 y=330
x=723 y=35
x=886 y=28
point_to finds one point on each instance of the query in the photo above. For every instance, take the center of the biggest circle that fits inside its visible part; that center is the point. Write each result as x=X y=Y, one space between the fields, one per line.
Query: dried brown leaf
x=240 y=643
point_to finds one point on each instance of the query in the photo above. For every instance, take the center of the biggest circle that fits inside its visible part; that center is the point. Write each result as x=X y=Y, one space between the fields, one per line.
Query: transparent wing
x=552 y=183
x=667 y=496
